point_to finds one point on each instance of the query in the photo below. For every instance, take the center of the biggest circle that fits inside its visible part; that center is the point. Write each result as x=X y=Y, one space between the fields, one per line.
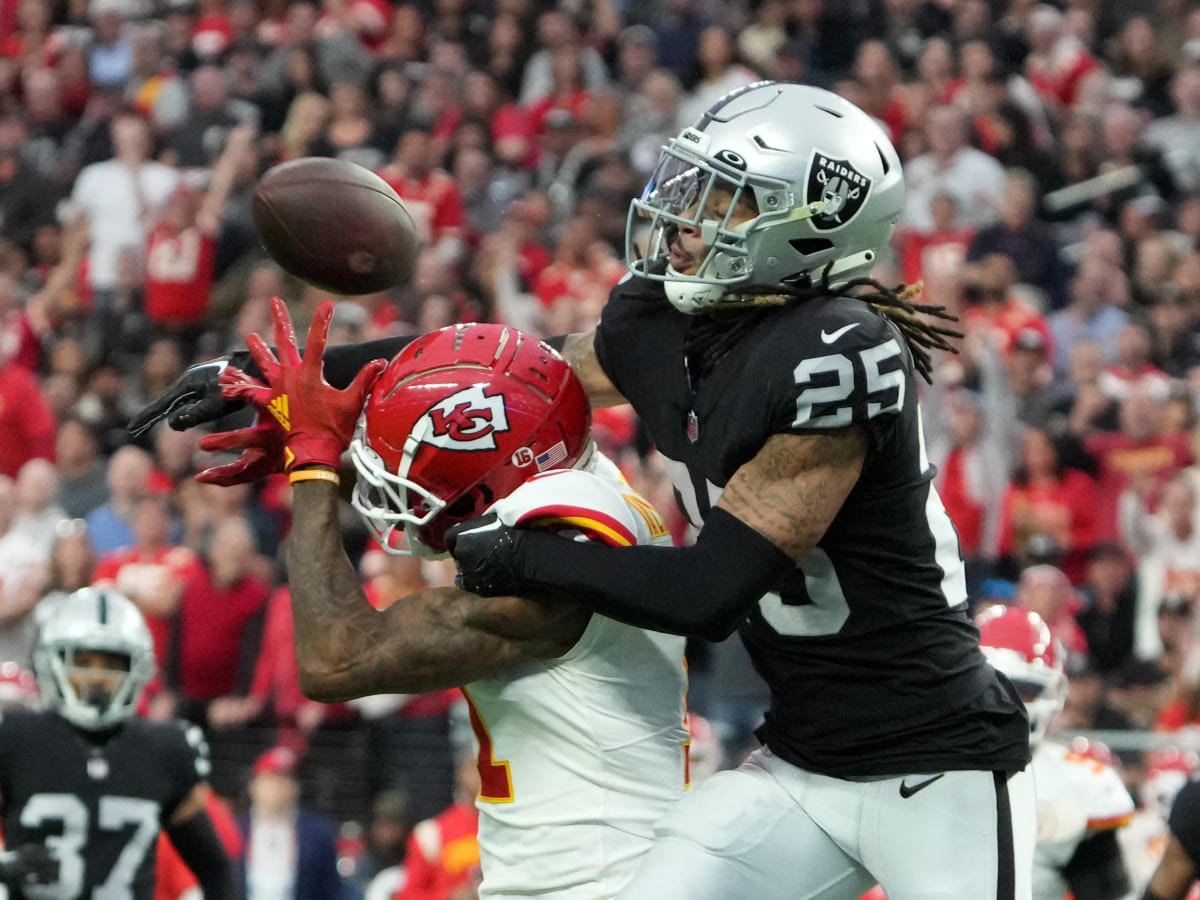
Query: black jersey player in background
x=786 y=405
x=90 y=782
x=1179 y=868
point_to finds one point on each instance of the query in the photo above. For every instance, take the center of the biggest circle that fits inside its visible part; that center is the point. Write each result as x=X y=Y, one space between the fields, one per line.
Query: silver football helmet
x=98 y=620
x=822 y=176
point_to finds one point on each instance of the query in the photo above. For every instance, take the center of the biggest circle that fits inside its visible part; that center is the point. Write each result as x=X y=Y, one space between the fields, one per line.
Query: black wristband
x=557 y=342
x=1150 y=895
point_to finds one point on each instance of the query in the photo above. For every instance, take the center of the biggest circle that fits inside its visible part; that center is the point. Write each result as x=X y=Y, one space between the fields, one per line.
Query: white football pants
x=771 y=831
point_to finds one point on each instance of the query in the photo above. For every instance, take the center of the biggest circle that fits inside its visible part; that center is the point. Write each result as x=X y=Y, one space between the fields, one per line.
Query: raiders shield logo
x=839 y=186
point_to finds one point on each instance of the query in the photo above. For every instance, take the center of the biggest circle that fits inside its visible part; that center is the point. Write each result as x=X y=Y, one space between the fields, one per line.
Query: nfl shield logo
x=839 y=186
x=97 y=768
x=693 y=427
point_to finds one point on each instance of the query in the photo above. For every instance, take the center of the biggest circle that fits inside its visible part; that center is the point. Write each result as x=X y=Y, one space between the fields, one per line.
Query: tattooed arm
x=580 y=351
x=432 y=639
x=790 y=491
x=773 y=511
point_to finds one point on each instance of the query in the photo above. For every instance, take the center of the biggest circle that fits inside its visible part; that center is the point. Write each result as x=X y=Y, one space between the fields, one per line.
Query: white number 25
x=839 y=391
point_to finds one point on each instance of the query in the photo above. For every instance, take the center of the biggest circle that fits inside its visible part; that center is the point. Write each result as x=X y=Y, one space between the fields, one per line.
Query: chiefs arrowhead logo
x=839 y=186
x=466 y=420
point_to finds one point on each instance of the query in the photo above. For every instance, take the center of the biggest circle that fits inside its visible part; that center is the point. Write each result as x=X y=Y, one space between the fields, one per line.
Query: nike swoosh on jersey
x=830 y=336
x=906 y=791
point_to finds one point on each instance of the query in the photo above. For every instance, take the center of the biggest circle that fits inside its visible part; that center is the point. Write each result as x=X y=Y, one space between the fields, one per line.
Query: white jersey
x=1077 y=796
x=1142 y=844
x=581 y=755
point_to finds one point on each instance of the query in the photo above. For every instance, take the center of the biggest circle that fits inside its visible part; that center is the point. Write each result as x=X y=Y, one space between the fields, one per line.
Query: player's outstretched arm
x=194 y=398
x=773 y=511
x=426 y=641
x=192 y=833
x=580 y=351
x=1174 y=876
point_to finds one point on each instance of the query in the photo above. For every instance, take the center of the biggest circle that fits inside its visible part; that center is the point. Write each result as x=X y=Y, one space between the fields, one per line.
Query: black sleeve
x=1097 y=871
x=1184 y=820
x=199 y=847
x=700 y=591
x=344 y=362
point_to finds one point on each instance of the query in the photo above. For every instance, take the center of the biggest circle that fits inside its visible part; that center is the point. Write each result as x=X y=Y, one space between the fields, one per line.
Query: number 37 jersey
x=98 y=807
x=579 y=756
x=872 y=661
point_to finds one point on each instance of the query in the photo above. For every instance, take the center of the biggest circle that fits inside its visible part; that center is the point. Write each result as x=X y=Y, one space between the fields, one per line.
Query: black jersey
x=1184 y=820
x=873 y=664
x=98 y=805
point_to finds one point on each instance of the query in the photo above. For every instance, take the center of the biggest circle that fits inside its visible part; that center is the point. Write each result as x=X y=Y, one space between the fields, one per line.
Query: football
x=335 y=225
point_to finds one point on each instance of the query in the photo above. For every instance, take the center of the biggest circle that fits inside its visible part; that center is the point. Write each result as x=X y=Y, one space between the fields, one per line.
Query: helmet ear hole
x=466 y=505
x=810 y=246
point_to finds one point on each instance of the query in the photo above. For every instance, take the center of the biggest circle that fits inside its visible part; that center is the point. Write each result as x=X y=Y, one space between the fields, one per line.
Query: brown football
x=335 y=225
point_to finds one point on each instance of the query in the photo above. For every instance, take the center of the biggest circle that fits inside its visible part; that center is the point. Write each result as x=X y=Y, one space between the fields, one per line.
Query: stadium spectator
x=217 y=634
x=1141 y=449
x=1168 y=546
x=382 y=866
x=1025 y=240
x=952 y=166
x=935 y=257
x=120 y=196
x=152 y=571
x=1108 y=596
x=1048 y=498
x=289 y=852
x=1090 y=314
x=26 y=421
x=718 y=73
x=991 y=304
x=429 y=193
x=441 y=861
x=558 y=36
x=351 y=133
x=1133 y=365
x=109 y=524
x=181 y=248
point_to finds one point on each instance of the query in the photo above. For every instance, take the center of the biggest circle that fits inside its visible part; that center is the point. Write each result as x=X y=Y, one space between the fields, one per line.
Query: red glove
x=262 y=446
x=317 y=420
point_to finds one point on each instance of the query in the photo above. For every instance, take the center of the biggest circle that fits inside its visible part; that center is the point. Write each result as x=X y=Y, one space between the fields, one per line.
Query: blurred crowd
x=1052 y=154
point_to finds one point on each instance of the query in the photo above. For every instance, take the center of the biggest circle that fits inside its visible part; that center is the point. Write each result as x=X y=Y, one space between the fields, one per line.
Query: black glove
x=488 y=555
x=193 y=398
x=28 y=864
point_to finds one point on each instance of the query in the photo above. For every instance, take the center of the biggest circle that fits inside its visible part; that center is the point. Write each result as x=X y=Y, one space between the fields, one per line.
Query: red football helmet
x=1090 y=748
x=459 y=419
x=1018 y=643
x=1167 y=770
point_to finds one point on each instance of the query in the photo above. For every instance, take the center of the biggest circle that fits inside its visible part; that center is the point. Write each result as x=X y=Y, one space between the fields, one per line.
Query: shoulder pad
x=580 y=504
x=1080 y=793
x=190 y=741
x=833 y=362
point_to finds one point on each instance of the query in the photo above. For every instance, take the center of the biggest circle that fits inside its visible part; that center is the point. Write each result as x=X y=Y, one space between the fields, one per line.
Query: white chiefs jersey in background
x=1077 y=797
x=581 y=755
x=1142 y=844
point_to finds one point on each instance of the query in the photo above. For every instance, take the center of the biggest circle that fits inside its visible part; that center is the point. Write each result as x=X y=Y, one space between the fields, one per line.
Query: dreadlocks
x=711 y=336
